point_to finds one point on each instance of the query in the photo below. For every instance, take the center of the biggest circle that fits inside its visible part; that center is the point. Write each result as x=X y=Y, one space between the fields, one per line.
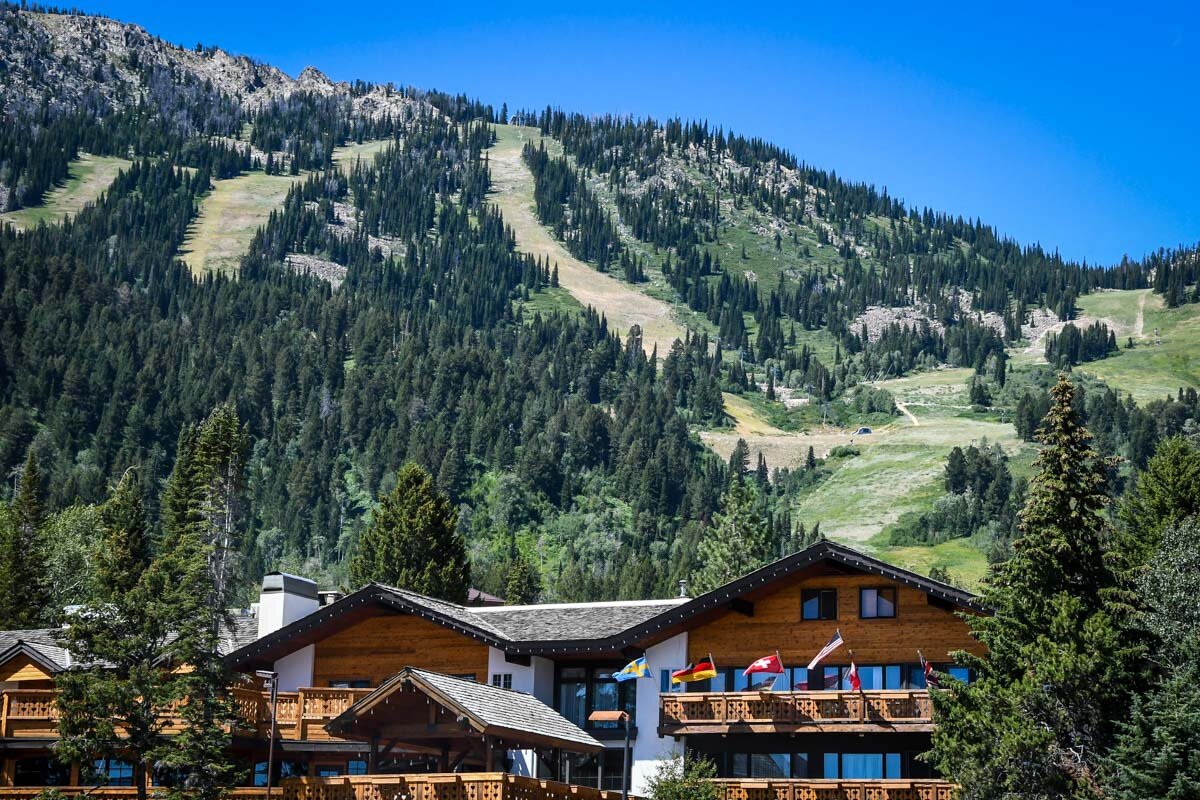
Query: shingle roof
x=583 y=627
x=43 y=644
x=572 y=621
x=47 y=644
x=490 y=709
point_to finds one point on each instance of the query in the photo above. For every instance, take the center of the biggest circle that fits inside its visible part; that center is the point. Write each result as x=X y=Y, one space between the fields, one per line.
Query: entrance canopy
x=461 y=721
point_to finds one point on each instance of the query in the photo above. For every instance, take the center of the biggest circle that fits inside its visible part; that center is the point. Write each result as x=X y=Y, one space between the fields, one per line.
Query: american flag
x=834 y=644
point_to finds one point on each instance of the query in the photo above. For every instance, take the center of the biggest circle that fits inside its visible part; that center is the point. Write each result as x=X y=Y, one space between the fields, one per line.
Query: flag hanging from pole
x=931 y=678
x=638 y=668
x=834 y=644
x=855 y=682
x=771 y=663
x=701 y=670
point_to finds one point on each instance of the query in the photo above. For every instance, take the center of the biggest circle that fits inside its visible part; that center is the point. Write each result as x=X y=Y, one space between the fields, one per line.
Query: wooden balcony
x=749 y=789
x=452 y=786
x=32 y=713
x=110 y=792
x=794 y=712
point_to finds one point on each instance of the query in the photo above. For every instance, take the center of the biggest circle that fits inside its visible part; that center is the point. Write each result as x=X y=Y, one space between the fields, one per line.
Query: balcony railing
x=482 y=785
x=33 y=713
x=108 y=792
x=793 y=712
x=750 y=789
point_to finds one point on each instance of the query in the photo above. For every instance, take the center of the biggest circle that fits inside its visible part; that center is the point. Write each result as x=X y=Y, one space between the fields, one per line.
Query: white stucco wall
x=650 y=749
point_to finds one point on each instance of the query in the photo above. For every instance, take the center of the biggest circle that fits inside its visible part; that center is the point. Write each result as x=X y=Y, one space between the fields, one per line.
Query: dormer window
x=877 y=603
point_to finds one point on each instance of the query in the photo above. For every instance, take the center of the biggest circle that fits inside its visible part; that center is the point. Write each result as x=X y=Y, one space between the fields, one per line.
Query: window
x=328 y=771
x=582 y=690
x=959 y=673
x=818 y=604
x=283 y=769
x=40 y=771
x=893 y=677
x=502 y=680
x=877 y=603
x=572 y=694
x=351 y=683
x=862 y=766
x=112 y=772
x=356 y=766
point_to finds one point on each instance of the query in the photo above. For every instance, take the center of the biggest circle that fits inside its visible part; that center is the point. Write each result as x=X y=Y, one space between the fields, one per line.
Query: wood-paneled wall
x=24 y=670
x=735 y=639
x=380 y=646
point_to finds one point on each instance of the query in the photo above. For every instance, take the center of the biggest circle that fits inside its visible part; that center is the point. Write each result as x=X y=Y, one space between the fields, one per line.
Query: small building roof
x=42 y=645
x=480 y=710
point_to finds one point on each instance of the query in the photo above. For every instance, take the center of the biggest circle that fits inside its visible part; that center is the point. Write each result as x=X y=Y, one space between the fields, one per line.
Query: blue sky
x=1076 y=129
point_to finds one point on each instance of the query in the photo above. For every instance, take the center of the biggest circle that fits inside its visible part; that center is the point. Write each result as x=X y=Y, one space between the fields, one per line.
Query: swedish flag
x=638 y=668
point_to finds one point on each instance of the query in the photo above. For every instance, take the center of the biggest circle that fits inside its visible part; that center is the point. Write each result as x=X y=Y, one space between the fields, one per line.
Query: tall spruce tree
x=738 y=542
x=201 y=521
x=1157 y=751
x=110 y=701
x=1041 y=708
x=1165 y=493
x=413 y=541
x=24 y=595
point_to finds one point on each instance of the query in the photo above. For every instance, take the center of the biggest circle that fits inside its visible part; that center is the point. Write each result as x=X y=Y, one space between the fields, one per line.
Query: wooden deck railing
x=438 y=786
x=769 y=789
x=32 y=713
x=790 y=712
x=109 y=792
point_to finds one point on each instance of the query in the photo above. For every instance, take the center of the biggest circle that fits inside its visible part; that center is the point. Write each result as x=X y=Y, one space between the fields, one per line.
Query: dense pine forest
x=558 y=441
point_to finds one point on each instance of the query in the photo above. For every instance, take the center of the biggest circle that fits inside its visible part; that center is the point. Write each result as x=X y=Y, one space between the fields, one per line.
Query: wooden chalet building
x=387 y=685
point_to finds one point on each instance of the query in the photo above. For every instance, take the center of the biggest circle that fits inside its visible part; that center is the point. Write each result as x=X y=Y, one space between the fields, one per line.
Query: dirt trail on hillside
x=1140 y=325
x=904 y=410
x=624 y=306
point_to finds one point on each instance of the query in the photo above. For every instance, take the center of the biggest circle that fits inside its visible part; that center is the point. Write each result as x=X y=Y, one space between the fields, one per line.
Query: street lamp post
x=622 y=717
x=272 y=679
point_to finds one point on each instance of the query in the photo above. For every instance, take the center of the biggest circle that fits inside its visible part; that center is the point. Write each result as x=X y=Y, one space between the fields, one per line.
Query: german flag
x=700 y=671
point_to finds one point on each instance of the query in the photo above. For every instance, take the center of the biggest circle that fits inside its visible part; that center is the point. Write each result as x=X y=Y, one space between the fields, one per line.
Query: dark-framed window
x=502 y=680
x=328 y=770
x=818 y=604
x=112 y=772
x=581 y=690
x=350 y=683
x=40 y=771
x=287 y=768
x=356 y=766
x=877 y=602
x=862 y=766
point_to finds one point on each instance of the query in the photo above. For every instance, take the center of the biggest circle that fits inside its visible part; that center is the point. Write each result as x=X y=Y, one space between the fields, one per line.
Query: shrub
x=679 y=780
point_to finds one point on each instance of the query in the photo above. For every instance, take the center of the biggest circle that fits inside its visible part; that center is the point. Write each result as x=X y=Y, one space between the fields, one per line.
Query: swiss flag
x=769 y=663
x=855 y=683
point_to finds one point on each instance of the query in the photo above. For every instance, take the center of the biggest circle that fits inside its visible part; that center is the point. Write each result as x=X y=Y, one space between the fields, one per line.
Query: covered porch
x=461 y=725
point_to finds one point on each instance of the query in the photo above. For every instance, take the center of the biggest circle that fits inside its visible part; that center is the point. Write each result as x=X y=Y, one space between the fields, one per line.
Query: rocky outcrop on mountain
x=80 y=61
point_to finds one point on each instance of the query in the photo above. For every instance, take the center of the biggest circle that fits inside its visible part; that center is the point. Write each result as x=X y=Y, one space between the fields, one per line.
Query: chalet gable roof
x=577 y=627
x=488 y=710
x=42 y=646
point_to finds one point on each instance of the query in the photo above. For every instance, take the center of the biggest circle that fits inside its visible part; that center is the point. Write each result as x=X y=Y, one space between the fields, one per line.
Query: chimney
x=284 y=599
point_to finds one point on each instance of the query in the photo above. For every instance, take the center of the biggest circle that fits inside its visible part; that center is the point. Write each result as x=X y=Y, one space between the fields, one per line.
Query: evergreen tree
x=413 y=542
x=737 y=543
x=24 y=594
x=521 y=585
x=1165 y=493
x=201 y=530
x=125 y=542
x=1156 y=751
x=1042 y=706
x=110 y=701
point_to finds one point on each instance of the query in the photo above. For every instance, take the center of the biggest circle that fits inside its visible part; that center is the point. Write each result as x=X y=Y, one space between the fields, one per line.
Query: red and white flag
x=834 y=644
x=855 y=682
x=931 y=678
x=771 y=663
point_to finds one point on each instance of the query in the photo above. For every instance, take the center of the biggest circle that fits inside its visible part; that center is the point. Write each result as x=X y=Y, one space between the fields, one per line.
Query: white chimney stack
x=285 y=599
